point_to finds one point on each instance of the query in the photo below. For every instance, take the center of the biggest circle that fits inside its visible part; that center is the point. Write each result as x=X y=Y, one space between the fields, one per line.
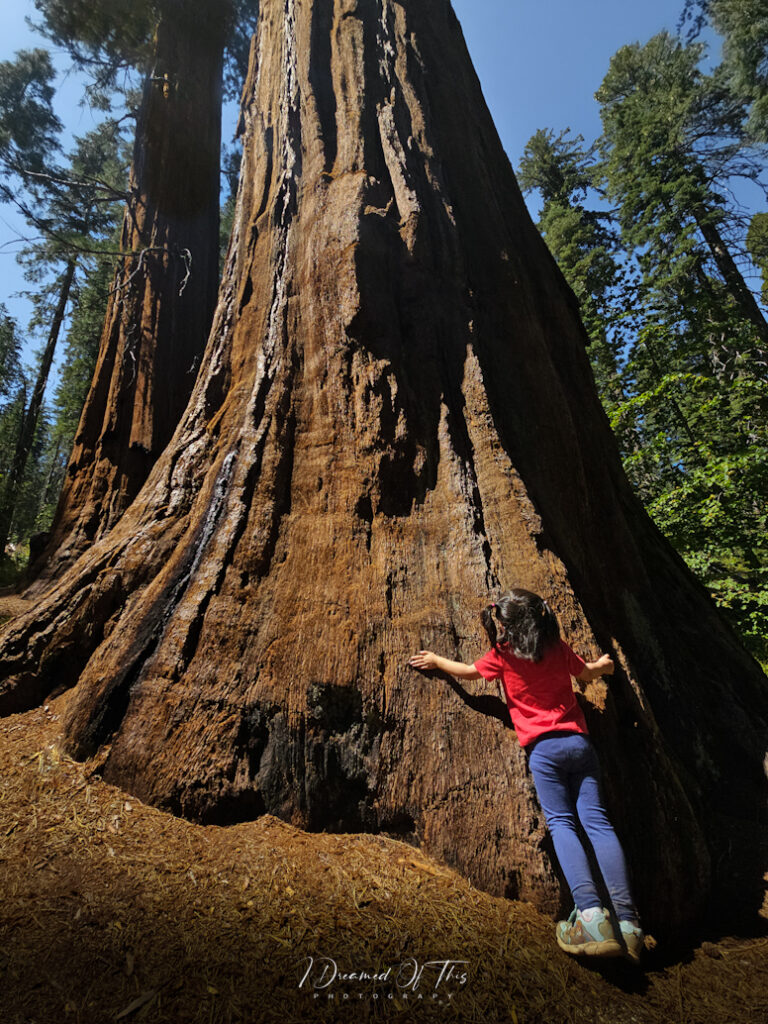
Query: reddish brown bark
x=164 y=294
x=395 y=418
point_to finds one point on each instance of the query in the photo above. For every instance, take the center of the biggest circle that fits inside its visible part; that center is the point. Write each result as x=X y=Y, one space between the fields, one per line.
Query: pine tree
x=28 y=126
x=89 y=304
x=10 y=357
x=74 y=207
x=744 y=27
x=585 y=242
x=14 y=389
x=757 y=245
x=28 y=130
x=672 y=137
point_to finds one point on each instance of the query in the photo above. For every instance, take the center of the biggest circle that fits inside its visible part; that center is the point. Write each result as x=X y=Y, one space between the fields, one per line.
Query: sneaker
x=633 y=939
x=588 y=934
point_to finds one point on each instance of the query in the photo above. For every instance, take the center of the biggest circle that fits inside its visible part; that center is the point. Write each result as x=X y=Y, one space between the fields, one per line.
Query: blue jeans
x=566 y=772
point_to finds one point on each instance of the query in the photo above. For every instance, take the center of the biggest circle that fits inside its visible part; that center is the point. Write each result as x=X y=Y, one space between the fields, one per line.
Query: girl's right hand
x=424 y=660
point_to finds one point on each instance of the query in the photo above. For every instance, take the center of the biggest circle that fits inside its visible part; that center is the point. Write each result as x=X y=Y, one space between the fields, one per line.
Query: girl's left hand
x=424 y=660
x=605 y=664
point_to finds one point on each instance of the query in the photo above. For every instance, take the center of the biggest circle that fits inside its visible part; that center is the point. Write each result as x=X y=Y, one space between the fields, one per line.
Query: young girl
x=535 y=667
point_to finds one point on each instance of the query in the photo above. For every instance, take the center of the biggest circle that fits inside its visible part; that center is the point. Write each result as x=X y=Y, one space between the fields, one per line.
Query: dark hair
x=528 y=623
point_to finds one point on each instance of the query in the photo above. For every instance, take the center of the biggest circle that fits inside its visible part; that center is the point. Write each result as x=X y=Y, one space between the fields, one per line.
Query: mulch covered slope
x=115 y=911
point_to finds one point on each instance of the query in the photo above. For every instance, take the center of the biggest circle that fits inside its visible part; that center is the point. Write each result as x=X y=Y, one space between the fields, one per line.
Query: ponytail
x=486 y=617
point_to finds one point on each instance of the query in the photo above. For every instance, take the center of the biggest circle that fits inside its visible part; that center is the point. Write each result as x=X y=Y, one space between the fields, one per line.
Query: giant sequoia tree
x=164 y=291
x=394 y=418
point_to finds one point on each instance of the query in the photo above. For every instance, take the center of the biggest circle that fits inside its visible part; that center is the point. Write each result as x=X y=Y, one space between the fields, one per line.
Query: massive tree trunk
x=164 y=294
x=394 y=419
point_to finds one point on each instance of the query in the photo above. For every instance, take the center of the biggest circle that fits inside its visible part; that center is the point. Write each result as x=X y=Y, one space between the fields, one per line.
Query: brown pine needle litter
x=113 y=911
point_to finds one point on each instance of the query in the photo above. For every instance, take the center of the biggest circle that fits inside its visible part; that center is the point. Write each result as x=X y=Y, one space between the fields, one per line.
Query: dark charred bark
x=164 y=293
x=9 y=491
x=395 y=417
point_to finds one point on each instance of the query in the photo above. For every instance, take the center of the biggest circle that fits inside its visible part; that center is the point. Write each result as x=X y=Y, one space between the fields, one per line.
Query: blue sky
x=539 y=64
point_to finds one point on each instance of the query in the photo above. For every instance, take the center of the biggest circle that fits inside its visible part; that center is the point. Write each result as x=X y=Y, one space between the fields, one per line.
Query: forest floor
x=114 y=911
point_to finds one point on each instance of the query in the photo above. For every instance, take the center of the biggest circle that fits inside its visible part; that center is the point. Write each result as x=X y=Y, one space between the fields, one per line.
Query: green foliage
x=27 y=497
x=108 y=38
x=28 y=125
x=82 y=347
x=757 y=245
x=104 y=38
x=34 y=500
x=744 y=26
x=68 y=204
x=76 y=208
x=10 y=358
x=559 y=167
x=13 y=392
x=744 y=69
x=117 y=29
x=12 y=567
x=587 y=246
x=584 y=241
x=703 y=475
x=672 y=140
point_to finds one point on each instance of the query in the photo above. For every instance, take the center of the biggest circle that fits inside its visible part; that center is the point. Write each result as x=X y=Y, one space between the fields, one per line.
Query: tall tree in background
x=28 y=126
x=585 y=242
x=28 y=142
x=71 y=206
x=743 y=24
x=29 y=132
x=672 y=139
x=587 y=245
x=165 y=291
x=10 y=362
x=395 y=416
x=12 y=396
x=757 y=245
x=31 y=413
x=89 y=303
x=14 y=392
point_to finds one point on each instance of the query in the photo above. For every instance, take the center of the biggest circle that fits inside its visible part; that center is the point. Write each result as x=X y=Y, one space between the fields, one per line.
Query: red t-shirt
x=540 y=694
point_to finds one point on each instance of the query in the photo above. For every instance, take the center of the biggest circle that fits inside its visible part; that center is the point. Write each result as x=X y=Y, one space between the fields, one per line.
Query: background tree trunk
x=161 y=309
x=739 y=289
x=9 y=491
x=395 y=418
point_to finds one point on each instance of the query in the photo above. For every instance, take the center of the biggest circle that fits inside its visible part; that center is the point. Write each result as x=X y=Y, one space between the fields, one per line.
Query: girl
x=535 y=667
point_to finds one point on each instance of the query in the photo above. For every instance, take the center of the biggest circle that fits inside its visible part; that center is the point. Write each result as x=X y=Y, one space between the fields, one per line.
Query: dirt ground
x=115 y=911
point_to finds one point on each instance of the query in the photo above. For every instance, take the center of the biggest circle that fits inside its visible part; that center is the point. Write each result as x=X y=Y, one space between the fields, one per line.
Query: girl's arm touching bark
x=426 y=661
